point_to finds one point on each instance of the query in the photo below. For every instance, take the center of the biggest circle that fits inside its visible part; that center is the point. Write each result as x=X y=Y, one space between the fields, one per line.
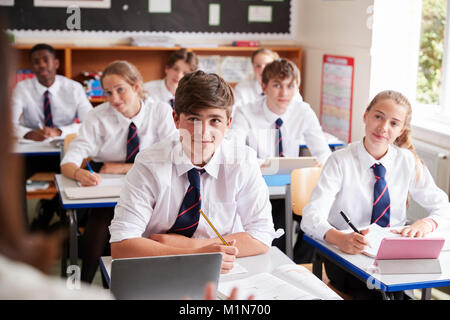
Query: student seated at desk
x=277 y=124
x=180 y=62
x=112 y=135
x=47 y=105
x=44 y=107
x=370 y=181
x=158 y=212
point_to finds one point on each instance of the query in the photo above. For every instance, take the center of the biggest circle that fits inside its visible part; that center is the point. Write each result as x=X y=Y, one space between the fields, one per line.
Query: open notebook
x=107 y=188
x=286 y=282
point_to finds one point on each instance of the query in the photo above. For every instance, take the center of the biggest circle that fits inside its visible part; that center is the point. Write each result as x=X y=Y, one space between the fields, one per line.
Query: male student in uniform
x=277 y=124
x=158 y=212
x=46 y=106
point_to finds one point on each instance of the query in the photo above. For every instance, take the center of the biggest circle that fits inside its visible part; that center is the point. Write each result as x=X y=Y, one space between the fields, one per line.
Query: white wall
x=337 y=28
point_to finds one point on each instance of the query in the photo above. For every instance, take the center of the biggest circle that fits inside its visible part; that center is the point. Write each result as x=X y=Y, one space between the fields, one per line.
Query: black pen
x=349 y=222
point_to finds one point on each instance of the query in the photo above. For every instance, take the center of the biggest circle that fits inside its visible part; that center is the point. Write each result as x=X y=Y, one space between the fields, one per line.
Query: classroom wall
x=337 y=28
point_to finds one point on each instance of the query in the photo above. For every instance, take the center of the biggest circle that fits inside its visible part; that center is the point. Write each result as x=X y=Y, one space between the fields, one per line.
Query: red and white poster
x=337 y=96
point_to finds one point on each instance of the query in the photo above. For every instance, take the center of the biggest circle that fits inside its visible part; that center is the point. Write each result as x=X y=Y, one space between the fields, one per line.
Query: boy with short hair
x=261 y=122
x=276 y=125
x=47 y=105
x=180 y=62
x=158 y=212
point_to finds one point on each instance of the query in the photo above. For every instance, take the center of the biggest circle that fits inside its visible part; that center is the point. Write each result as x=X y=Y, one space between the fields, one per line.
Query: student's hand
x=51 y=132
x=115 y=168
x=229 y=254
x=418 y=229
x=210 y=290
x=86 y=178
x=351 y=243
x=36 y=135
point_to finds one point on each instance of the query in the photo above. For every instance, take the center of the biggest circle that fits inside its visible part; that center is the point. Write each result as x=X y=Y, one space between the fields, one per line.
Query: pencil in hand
x=215 y=230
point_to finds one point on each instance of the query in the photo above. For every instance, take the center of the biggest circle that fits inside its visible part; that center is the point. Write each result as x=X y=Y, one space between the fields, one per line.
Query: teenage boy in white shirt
x=44 y=107
x=229 y=188
x=180 y=62
x=66 y=97
x=277 y=124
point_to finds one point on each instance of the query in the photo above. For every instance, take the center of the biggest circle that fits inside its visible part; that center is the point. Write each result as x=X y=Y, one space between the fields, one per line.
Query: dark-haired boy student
x=43 y=107
x=180 y=62
x=276 y=125
x=158 y=212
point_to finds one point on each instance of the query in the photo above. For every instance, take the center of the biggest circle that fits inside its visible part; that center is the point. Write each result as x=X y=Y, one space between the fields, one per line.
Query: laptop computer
x=164 y=277
x=409 y=255
x=285 y=165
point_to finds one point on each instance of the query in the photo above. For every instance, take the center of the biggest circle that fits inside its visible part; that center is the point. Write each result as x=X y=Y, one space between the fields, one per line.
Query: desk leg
x=317 y=264
x=426 y=294
x=288 y=222
x=73 y=241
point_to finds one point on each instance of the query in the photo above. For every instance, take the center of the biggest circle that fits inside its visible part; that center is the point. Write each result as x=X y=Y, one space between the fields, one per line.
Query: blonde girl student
x=370 y=181
x=111 y=136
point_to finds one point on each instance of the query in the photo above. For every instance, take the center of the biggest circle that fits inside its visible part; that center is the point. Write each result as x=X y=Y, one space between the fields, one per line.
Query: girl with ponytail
x=370 y=182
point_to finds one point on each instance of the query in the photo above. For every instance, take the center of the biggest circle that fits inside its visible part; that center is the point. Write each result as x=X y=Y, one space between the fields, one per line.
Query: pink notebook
x=410 y=248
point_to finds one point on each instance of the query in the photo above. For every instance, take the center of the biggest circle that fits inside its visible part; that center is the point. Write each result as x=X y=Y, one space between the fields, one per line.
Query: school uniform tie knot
x=132 y=143
x=379 y=170
x=381 y=200
x=172 y=103
x=48 y=119
x=278 y=124
x=189 y=214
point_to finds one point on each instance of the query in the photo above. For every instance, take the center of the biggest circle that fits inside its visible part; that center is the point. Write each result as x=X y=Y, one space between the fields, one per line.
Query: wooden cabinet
x=150 y=61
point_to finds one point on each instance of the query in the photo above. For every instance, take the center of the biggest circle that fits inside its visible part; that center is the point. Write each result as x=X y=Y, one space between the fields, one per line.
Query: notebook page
x=93 y=192
x=302 y=278
x=375 y=236
x=265 y=287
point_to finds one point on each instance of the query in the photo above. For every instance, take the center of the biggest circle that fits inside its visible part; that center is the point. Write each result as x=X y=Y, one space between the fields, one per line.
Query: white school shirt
x=234 y=195
x=254 y=124
x=346 y=184
x=67 y=100
x=249 y=91
x=104 y=133
x=158 y=91
x=19 y=281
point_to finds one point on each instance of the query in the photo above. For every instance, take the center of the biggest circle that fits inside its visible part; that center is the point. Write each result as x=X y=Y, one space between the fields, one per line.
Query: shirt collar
x=166 y=93
x=368 y=161
x=257 y=87
x=53 y=89
x=272 y=117
x=183 y=163
x=137 y=119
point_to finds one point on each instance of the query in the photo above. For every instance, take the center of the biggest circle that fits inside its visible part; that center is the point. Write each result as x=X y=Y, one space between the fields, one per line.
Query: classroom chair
x=303 y=182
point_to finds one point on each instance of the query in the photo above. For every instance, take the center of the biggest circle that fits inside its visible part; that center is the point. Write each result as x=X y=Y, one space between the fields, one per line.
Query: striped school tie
x=172 y=103
x=189 y=213
x=48 y=120
x=381 y=202
x=132 y=143
x=278 y=125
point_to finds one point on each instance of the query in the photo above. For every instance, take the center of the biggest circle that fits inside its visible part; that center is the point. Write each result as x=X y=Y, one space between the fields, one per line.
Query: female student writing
x=112 y=135
x=370 y=181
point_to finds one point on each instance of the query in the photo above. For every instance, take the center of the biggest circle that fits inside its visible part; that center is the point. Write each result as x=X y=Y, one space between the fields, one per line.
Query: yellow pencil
x=210 y=224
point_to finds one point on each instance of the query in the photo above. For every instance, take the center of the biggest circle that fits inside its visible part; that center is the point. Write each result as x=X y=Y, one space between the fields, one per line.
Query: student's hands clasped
x=42 y=134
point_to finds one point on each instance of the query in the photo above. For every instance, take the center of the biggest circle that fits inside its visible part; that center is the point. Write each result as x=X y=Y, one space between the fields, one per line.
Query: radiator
x=437 y=161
